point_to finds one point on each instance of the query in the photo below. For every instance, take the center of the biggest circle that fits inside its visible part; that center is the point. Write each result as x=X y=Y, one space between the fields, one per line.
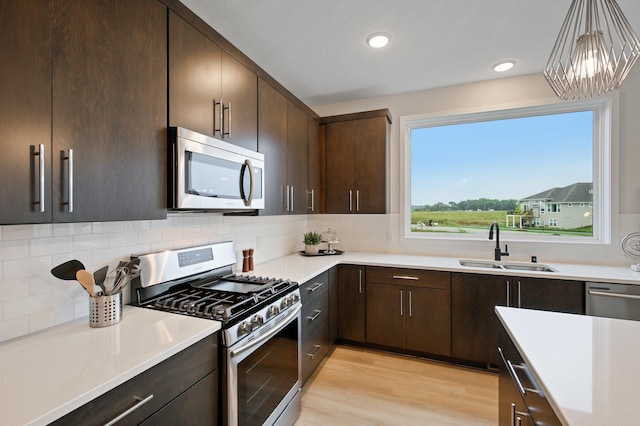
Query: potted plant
x=311 y=242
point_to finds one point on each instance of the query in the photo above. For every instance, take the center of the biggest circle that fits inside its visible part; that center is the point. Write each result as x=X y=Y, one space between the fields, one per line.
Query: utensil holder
x=105 y=310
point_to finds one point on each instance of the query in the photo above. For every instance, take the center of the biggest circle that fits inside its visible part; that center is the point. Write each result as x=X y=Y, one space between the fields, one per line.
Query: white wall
x=32 y=299
x=384 y=233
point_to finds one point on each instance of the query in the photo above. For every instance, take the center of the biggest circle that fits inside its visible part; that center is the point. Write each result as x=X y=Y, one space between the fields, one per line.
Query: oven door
x=263 y=376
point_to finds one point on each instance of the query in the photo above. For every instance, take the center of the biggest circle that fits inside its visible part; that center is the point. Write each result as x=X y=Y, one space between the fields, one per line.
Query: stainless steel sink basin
x=492 y=264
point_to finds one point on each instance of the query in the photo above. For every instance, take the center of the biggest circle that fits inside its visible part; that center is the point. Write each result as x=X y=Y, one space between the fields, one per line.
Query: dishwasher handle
x=612 y=294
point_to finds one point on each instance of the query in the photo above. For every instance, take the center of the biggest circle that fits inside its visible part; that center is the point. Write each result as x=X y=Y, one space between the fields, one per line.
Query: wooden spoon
x=85 y=278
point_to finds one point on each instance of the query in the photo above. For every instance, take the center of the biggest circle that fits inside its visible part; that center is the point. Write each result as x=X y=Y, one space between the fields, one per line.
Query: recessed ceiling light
x=378 y=40
x=504 y=66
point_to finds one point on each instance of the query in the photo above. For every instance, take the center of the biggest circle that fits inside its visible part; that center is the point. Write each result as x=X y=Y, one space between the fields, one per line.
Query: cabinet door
x=429 y=320
x=194 y=78
x=333 y=305
x=351 y=303
x=474 y=325
x=370 y=144
x=386 y=314
x=25 y=111
x=549 y=295
x=272 y=131
x=316 y=168
x=340 y=177
x=240 y=89
x=110 y=108
x=297 y=158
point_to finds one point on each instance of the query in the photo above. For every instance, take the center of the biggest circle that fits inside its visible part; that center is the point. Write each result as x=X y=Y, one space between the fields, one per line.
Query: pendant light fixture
x=594 y=52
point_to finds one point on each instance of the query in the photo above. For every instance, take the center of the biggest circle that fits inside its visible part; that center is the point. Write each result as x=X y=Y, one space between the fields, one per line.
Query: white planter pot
x=311 y=248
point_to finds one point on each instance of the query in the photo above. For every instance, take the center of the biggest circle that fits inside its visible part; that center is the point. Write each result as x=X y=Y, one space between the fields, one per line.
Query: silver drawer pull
x=406 y=277
x=312 y=318
x=317 y=286
x=619 y=295
x=121 y=416
x=318 y=348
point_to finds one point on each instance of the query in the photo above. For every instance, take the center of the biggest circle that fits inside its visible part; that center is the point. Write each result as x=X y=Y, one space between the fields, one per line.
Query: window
x=465 y=171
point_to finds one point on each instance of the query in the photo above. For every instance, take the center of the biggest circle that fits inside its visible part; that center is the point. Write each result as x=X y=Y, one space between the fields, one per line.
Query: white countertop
x=302 y=268
x=48 y=374
x=587 y=367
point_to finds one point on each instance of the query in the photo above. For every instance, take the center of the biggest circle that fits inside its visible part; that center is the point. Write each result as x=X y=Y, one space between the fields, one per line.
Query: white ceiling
x=317 y=49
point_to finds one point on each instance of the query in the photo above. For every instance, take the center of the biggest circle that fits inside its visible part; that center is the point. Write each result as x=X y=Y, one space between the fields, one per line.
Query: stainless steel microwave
x=205 y=173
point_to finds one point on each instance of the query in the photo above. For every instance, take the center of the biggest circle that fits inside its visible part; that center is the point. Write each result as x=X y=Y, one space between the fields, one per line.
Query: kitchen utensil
x=631 y=248
x=67 y=270
x=99 y=276
x=85 y=278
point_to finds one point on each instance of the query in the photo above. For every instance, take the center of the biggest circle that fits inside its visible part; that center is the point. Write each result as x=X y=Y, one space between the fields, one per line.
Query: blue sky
x=501 y=159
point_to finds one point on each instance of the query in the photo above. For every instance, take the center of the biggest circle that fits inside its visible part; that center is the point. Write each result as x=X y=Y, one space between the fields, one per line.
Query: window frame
x=604 y=143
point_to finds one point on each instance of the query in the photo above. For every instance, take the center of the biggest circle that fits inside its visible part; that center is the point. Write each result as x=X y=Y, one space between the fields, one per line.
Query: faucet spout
x=498 y=253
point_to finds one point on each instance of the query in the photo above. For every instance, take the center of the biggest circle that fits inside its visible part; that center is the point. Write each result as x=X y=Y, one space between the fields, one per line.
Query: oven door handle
x=285 y=322
x=247 y=165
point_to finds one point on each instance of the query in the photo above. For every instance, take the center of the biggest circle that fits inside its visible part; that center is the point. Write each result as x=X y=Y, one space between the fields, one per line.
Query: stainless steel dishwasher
x=613 y=300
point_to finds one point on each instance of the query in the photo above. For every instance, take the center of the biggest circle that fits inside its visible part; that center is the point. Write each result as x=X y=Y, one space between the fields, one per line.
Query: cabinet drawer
x=315 y=313
x=313 y=287
x=409 y=277
x=164 y=381
x=314 y=349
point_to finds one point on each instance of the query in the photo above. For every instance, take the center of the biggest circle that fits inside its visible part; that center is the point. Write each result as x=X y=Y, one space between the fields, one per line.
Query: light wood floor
x=355 y=386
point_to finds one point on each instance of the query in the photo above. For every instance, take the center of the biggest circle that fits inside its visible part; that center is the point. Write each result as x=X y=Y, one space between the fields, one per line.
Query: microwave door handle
x=247 y=200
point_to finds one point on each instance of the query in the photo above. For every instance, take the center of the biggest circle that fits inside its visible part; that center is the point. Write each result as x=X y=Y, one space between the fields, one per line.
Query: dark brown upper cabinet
x=316 y=168
x=283 y=133
x=25 y=111
x=356 y=147
x=210 y=92
x=85 y=111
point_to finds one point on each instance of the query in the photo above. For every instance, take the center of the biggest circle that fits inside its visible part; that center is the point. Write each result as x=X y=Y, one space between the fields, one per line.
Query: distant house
x=567 y=208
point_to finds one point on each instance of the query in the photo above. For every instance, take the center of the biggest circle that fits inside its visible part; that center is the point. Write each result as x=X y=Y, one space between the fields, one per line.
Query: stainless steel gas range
x=260 y=317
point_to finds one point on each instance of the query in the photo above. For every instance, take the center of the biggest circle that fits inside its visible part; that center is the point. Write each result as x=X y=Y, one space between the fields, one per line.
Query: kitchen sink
x=493 y=264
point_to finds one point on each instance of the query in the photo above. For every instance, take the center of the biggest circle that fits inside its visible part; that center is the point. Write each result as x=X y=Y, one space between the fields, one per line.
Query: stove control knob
x=257 y=321
x=244 y=328
x=286 y=302
x=273 y=311
x=294 y=298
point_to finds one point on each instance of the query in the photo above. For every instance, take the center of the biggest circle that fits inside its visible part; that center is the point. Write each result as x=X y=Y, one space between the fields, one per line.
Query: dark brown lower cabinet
x=409 y=309
x=515 y=408
x=183 y=387
x=315 y=323
x=475 y=296
x=351 y=303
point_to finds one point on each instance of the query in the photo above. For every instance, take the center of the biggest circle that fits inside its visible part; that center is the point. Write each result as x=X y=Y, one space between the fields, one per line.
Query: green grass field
x=464 y=220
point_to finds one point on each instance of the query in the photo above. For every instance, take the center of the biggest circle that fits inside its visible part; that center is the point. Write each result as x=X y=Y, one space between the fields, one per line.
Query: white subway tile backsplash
x=27 y=267
x=149 y=236
x=14 y=249
x=14 y=328
x=49 y=318
x=26 y=306
x=20 y=232
x=123 y=239
x=90 y=242
x=64 y=229
x=14 y=289
x=47 y=246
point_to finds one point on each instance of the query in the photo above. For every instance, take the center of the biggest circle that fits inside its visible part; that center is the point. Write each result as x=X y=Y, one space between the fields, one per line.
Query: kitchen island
x=585 y=366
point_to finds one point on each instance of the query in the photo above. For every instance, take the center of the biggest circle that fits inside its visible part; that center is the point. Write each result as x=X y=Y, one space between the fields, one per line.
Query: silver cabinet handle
x=357 y=200
x=350 y=200
x=313 y=206
x=360 y=281
x=406 y=277
x=247 y=165
x=317 y=314
x=318 y=349
x=69 y=159
x=519 y=296
x=286 y=197
x=618 y=295
x=508 y=301
x=314 y=288
x=401 y=302
x=410 y=305
x=41 y=180
x=124 y=414
x=228 y=108
x=217 y=129
x=291 y=204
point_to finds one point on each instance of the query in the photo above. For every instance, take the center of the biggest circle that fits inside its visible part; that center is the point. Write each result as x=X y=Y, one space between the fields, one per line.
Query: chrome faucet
x=498 y=252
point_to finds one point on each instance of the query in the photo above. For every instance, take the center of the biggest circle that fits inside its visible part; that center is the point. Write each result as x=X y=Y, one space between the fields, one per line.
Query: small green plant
x=312 y=238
